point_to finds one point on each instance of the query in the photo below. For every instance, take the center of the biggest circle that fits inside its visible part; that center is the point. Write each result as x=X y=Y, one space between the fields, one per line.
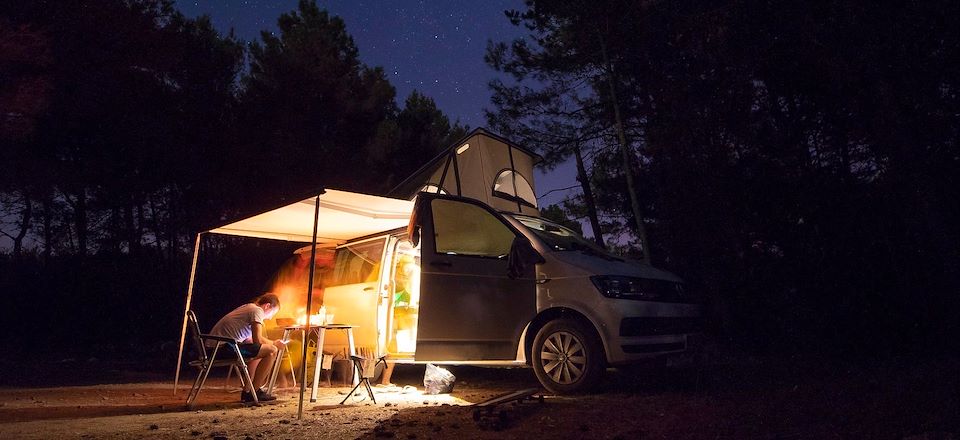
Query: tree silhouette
x=798 y=161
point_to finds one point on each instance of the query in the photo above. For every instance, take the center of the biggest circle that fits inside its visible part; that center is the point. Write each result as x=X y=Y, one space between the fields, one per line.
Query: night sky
x=433 y=46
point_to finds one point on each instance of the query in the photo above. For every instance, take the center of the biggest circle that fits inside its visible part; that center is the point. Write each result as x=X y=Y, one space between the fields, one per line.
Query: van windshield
x=561 y=238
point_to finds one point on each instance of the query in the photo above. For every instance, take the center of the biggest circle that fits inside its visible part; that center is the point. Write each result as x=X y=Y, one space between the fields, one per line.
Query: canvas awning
x=343 y=215
x=333 y=216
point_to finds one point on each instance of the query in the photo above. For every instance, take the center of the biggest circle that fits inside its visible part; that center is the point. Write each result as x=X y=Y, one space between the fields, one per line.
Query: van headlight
x=643 y=289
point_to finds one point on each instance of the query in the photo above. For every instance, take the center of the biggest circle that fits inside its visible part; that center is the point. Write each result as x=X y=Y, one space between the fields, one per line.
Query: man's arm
x=258 y=335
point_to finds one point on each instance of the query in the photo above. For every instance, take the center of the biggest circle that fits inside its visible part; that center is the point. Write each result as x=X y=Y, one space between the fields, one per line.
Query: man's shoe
x=262 y=396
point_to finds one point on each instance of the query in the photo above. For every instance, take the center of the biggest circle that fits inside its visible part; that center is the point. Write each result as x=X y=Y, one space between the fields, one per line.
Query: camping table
x=320 y=331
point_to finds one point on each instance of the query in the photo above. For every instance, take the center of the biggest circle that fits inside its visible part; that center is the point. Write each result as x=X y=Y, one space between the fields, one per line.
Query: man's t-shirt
x=238 y=323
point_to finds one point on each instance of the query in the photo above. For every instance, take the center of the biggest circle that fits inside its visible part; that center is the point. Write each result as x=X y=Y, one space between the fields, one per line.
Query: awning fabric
x=343 y=215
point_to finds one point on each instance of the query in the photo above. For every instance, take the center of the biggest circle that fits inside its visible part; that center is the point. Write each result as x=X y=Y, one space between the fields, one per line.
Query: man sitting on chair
x=245 y=325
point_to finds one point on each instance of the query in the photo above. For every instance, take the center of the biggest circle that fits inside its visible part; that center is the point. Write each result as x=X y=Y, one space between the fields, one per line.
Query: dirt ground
x=748 y=398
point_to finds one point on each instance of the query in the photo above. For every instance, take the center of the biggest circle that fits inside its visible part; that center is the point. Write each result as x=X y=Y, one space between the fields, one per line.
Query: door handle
x=443 y=263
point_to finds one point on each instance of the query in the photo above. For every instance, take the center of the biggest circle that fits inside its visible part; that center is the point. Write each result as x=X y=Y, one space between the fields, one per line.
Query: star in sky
x=434 y=46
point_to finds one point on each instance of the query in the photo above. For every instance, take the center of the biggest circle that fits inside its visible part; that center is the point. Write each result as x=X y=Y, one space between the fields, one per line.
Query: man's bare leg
x=261 y=365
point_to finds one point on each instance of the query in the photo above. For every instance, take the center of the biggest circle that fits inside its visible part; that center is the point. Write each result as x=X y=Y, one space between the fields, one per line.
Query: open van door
x=352 y=293
x=471 y=309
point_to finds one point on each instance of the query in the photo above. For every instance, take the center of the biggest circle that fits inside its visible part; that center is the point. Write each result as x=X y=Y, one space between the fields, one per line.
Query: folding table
x=320 y=331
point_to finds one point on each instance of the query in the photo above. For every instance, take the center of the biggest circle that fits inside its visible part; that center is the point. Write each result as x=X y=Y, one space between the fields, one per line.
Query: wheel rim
x=563 y=358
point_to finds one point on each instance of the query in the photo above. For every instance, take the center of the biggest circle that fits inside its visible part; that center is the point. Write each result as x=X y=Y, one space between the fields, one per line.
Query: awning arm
x=183 y=328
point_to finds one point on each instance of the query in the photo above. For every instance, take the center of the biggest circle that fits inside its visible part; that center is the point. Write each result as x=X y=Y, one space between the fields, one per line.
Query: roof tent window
x=503 y=188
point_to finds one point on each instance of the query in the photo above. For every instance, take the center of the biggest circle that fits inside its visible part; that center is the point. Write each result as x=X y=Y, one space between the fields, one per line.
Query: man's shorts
x=249 y=350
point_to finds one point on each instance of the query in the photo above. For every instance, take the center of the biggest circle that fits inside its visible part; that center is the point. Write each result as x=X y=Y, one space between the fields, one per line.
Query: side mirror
x=413 y=227
x=413 y=234
x=522 y=256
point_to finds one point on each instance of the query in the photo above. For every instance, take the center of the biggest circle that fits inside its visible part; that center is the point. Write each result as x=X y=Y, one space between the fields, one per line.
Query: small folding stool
x=366 y=371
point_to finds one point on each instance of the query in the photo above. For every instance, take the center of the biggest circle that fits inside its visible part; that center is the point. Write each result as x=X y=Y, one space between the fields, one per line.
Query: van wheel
x=567 y=357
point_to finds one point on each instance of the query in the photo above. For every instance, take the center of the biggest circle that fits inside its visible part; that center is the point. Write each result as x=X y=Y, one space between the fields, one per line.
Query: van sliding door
x=469 y=308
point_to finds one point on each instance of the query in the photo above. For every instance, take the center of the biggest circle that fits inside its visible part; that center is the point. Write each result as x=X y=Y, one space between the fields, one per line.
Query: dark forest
x=796 y=163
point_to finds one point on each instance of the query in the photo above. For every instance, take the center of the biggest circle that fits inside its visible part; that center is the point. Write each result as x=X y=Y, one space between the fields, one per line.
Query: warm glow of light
x=290 y=282
x=463 y=148
x=418 y=397
x=406 y=341
x=315 y=320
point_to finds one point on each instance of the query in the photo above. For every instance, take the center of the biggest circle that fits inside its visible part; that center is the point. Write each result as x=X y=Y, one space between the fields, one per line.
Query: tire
x=567 y=357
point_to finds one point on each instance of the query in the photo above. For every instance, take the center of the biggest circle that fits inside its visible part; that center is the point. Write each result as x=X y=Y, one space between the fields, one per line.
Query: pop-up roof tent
x=481 y=166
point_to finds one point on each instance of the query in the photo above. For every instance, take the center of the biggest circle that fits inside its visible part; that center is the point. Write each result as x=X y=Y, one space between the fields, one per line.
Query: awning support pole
x=306 y=333
x=183 y=328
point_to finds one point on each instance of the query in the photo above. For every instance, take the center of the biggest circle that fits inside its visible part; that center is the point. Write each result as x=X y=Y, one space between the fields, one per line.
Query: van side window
x=359 y=263
x=467 y=229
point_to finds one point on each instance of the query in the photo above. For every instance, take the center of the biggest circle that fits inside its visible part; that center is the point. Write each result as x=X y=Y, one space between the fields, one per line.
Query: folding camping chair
x=286 y=357
x=205 y=362
x=366 y=369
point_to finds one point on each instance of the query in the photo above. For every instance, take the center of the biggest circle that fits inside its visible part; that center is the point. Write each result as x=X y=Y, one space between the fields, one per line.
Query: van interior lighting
x=463 y=148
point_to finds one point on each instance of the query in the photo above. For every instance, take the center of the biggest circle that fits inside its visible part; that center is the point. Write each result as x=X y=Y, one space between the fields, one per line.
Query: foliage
x=308 y=99
x=797 y=162
x=127 y=127
x=557 y=214
x=422 y=131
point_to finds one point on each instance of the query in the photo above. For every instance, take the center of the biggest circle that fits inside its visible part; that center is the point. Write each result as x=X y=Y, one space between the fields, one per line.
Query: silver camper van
x=479 y=278
x=467 y=284
x=455 y=266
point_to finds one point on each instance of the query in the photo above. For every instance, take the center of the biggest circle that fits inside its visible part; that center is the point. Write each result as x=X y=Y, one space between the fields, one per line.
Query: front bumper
x=650 y=330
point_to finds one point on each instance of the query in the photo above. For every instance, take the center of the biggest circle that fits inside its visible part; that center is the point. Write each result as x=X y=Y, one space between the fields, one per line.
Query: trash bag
x=436 y=380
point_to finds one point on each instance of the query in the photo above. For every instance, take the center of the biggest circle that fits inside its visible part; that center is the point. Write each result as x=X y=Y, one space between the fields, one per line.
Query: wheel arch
x=554 y=313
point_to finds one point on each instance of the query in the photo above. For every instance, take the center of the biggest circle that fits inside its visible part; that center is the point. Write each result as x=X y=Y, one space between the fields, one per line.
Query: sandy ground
x=785 y=399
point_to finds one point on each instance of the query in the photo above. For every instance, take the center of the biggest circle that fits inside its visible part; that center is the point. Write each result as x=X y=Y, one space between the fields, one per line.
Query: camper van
x=457 y=267
x=467 y=284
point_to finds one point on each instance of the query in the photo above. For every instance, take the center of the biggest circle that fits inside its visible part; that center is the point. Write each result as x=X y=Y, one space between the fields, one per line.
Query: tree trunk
x=625 y=153
x=140 y=224
x=155 y=226
x=584 y=180
x=25 y=218
x=47 y=224
x=80 y=221
x=172 y=249
x=129 y=228
x=844 y=167
x=114 y=239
